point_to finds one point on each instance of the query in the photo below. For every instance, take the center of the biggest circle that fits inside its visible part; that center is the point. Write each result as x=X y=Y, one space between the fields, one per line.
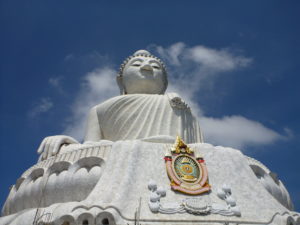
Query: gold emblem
x=187 y=173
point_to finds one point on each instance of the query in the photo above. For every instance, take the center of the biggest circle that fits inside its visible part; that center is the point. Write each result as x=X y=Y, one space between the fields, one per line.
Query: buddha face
x=144 y=75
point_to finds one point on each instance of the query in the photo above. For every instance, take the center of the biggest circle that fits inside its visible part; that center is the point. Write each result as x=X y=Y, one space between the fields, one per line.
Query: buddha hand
x=50 y=146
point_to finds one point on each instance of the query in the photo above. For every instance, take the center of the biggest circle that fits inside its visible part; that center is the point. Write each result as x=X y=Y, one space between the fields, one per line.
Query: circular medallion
x=186 y=168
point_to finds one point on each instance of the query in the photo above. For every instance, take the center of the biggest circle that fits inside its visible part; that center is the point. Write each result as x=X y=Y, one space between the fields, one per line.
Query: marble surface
x=121 y=191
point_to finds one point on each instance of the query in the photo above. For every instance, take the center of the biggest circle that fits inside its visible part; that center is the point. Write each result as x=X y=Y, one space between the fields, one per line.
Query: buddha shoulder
x=122 y=102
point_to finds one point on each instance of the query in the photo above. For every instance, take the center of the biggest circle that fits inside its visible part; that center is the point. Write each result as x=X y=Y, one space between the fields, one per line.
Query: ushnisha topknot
x=138 y=53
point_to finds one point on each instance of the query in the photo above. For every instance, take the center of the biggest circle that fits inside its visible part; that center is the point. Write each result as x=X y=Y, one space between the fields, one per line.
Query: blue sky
x=240 y=58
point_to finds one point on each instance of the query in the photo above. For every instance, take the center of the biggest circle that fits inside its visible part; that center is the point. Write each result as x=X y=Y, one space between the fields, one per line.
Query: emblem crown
x=181 y=147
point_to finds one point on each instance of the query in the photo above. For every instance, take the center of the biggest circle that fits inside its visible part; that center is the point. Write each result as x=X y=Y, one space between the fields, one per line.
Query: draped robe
x=142 y=116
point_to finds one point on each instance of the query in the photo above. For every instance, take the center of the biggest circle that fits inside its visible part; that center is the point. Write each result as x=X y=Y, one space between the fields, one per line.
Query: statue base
x=126 y=182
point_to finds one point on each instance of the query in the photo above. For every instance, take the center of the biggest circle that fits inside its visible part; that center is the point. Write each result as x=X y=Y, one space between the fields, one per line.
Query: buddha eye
x=155 y=66
x=136 y=64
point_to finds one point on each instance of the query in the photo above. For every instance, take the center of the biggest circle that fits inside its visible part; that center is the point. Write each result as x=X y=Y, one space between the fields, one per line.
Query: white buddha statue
x=142 y=111
x=128 y=172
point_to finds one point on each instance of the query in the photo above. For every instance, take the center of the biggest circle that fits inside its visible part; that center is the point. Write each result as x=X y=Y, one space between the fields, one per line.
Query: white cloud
x=69 y=57
x=190 y=68
x=172 y=53
x=216 y=60
x=195 y=68
x=44 y=105
x=237 y=132
x=96 y=87
x=56 y=82
x=209 y=59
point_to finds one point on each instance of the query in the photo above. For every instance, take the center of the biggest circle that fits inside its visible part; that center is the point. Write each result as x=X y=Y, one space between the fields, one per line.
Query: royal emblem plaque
x=187 y=173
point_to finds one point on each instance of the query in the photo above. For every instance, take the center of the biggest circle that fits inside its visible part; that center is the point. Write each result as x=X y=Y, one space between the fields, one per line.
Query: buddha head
x=142 y=73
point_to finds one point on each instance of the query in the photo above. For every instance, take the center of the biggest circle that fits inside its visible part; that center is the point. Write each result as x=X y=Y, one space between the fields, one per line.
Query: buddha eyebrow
x=154 y=61
x=139 y=60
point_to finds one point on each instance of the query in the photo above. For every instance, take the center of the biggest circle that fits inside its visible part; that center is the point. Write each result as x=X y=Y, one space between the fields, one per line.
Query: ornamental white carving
x=194 y=205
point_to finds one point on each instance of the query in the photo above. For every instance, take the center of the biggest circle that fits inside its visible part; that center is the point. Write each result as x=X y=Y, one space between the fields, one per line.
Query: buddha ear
x=120 y=84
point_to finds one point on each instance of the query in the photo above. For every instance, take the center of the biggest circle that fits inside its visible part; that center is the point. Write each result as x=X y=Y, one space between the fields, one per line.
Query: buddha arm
x=93 y=130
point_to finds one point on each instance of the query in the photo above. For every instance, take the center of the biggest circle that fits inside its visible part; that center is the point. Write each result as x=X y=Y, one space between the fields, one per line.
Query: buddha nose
x=147 y=67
